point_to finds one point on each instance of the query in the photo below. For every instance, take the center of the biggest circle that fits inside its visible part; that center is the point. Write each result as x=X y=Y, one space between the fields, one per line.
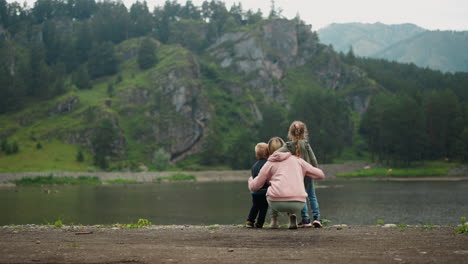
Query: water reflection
x=349 y=202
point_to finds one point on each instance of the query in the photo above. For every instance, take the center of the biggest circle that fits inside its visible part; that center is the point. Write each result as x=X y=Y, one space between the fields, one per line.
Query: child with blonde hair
x=300 y=147
x=259 y=202
x=285 y=173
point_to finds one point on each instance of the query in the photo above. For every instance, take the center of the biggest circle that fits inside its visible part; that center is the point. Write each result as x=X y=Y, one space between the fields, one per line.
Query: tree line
x=421 y=115
x=40 y=47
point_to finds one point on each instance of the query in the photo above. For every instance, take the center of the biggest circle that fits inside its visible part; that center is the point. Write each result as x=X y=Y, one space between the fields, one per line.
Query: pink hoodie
x=285 y=173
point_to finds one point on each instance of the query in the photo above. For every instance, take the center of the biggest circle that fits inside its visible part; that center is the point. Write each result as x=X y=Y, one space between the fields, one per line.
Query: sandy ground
x=232 y=244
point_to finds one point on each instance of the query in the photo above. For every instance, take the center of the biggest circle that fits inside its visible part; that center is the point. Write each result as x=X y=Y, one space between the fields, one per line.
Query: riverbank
x=201 y=176
x=330 y=170
x=232 y=244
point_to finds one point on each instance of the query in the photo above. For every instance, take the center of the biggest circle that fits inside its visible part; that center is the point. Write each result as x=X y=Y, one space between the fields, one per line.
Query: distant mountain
x=366 y=39
x=406 y=43
x=440 y=50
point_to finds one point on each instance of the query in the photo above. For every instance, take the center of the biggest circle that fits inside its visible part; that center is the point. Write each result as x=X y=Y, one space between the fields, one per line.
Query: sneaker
x=304 y=223
x=274 y=222
x=317 y=223
x=249 y=224
x=292 y=221
x=257 y=225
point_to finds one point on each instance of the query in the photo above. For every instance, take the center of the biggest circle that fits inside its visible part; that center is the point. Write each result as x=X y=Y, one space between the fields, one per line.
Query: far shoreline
x=330 y=171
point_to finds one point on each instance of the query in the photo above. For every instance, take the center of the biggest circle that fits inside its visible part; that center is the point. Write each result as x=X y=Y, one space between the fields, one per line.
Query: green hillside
x=405 y=43
x=440 y=50
x=366 y=39
x=96 y=86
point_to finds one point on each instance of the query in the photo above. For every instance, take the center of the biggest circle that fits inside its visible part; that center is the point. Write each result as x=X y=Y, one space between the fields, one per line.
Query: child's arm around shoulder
x=262 y=177
x=311 y=171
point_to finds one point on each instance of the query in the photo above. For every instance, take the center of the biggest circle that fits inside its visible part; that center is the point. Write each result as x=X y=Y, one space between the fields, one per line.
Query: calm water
x=348 y=202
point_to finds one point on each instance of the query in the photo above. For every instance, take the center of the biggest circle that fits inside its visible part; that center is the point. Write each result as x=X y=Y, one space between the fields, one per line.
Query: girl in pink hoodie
x=285 y=173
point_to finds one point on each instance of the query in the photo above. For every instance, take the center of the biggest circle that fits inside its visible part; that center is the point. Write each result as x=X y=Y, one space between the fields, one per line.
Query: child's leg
x=305 y=210
x=263 y=207
x=314 y=205
x=254 y=210
x=274 y=216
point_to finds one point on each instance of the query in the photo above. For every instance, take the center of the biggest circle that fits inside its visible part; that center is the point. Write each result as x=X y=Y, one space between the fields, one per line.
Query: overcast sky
x=429 y=14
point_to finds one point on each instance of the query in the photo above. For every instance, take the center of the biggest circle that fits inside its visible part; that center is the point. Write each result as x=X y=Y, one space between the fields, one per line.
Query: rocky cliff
x=268 y=52
x=170 y=106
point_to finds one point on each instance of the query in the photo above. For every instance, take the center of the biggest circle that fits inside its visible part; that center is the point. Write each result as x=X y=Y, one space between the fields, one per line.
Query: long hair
x=274 y=143
x=297 y=131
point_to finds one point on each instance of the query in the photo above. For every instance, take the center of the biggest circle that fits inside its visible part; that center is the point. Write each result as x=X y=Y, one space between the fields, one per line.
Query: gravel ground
x=232 y=244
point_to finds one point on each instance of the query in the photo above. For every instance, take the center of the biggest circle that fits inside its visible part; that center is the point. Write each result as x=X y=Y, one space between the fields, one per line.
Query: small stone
x=38 y=242
x=398 y=259
x=230 y=250
x=423 y=252
x=389 y=226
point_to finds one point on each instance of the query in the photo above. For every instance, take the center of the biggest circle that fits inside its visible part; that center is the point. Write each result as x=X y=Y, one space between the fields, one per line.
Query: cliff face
x=267 y=53
x=171 y=110
x=169 y=106
x=264 y=54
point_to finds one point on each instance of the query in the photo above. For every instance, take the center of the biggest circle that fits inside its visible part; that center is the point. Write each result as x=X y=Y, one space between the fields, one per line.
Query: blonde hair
x=297 y=131
x=261 y=150
x=275 y=143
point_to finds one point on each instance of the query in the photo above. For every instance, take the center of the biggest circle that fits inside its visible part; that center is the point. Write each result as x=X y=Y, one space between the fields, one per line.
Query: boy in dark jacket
x=259 y=202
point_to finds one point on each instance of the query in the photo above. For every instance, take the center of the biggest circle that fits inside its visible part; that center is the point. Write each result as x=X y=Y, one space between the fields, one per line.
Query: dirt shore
x=232 y=244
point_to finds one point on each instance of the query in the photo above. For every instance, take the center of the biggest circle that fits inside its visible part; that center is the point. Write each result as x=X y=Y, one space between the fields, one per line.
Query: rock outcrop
x=172 y=107
x=266 y=54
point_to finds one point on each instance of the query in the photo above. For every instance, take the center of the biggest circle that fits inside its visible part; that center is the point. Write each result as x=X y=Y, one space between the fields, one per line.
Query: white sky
x=429 y=14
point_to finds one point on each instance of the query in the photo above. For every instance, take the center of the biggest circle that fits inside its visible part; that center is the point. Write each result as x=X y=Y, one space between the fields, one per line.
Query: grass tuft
x=49 y=180
x=177 y=177
x=463 y=228
x=116 y=181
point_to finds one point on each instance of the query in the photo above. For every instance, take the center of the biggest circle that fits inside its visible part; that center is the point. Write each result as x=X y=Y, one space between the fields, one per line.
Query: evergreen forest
x=95 y=85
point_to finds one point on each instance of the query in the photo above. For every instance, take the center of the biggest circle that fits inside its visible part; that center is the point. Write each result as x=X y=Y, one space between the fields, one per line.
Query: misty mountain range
x=406 y=43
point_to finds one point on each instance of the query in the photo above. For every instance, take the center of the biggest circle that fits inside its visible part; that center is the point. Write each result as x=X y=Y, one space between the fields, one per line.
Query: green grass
x=142 y=222
x=177 y=177
x=403 y=173
x=121 y=181
x=47 y=180
x=463 y=228
x=53 y=156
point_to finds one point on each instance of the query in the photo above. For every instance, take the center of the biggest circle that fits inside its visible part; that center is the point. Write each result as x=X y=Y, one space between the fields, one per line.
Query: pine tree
x=14 y=147
x=4 y=145
x=81 y=78
x=110 y=90
x=79 y=156
x=103 y=142
x=103 y=60
x=146 y=54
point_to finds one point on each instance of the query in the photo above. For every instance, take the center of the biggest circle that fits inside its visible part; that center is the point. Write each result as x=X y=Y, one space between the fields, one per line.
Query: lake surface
x=342 y=202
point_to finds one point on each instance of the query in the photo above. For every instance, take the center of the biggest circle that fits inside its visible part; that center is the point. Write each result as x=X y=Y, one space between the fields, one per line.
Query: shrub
x=161 y=159
x=79 y=156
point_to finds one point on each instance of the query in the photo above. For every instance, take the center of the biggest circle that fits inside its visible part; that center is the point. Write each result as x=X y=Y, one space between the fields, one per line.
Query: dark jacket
x=255 y=170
